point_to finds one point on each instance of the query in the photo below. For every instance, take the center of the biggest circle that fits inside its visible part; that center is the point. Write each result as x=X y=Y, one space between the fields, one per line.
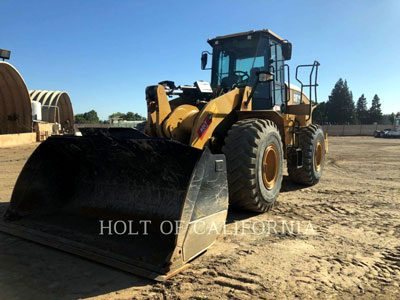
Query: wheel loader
x=205 y=147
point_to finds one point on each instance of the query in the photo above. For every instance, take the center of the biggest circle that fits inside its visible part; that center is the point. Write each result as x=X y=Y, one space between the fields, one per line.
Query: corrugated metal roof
x=59 y=99
x=15 y=104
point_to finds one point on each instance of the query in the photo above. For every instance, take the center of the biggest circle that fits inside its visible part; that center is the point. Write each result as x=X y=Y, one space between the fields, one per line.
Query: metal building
x=56 y=107
x=15 y=103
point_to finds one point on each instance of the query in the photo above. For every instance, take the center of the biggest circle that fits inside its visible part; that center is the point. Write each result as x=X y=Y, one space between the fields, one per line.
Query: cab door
x=277 y=68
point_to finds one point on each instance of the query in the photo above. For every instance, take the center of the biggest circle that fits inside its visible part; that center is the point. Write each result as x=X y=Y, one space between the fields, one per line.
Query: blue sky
x=104 y=53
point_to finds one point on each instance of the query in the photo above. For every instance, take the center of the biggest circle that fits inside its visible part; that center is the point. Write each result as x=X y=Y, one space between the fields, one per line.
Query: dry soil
x=345 y=242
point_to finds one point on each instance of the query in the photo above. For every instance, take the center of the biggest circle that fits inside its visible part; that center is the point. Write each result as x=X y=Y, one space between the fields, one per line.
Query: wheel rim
x=270 y=166
x=318 y=156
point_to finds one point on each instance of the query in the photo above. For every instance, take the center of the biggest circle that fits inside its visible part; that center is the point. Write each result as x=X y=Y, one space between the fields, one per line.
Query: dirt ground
x=345 y=242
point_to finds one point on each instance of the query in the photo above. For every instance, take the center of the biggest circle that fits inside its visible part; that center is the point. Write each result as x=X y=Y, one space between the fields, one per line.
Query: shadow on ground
x=239 y=215
x=289 y=186
x=30 y=270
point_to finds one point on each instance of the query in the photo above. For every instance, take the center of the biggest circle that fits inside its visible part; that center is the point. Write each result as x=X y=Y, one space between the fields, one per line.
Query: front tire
x=312 y=144
x=254 y=157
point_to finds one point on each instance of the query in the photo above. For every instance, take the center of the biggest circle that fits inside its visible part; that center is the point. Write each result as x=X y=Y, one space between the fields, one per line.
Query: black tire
x=311 y=171
x=245 y=146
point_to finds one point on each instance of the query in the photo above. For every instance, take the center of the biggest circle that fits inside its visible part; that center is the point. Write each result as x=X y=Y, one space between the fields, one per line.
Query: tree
x=129 y=116
x=386 y=120
x=79 y=119
x=117 y=115
x=320 y=113
x=89 y=117
x=362 y=110
x=375 y=112
x=340 y=105
x=392 y=117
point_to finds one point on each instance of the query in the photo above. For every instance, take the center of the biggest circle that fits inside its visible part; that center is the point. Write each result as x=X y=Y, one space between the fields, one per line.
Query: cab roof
x=267 y=31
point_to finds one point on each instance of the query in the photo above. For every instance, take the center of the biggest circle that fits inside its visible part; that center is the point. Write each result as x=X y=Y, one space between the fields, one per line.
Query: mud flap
x=146 y=206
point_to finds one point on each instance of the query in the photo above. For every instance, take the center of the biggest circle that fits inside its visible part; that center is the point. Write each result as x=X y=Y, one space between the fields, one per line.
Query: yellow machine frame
x=187 y=120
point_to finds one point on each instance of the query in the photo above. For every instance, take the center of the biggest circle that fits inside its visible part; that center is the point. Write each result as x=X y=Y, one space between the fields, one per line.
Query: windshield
x=237 y=60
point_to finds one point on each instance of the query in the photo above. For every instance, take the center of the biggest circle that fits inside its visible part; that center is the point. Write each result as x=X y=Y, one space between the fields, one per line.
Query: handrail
x=311 y=85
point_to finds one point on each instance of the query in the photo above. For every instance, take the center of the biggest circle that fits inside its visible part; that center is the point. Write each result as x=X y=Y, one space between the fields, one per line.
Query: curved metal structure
x=15 y=104
x=56 y=107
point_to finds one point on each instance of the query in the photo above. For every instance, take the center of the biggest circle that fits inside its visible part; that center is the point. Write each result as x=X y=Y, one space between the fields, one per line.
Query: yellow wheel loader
x=250 y=112
x=149 y=203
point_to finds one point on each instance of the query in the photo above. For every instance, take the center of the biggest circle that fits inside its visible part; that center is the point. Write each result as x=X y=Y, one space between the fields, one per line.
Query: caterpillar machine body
x=150 y=202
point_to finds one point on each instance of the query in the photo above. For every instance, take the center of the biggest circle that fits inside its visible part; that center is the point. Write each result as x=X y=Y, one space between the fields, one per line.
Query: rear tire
x=251 y=146
x=312 y=144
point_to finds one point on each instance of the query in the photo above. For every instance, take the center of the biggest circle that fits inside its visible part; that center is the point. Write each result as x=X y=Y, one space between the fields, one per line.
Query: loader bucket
x=143 y=205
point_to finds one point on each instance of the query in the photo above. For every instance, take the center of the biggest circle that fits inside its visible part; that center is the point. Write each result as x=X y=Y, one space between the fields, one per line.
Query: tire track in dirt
x=353 y=253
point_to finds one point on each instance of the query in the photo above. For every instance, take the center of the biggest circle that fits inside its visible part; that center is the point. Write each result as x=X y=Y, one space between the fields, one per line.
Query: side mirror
x=265 y=77
x=286 y=50
x=262 y=77
x=204 y=58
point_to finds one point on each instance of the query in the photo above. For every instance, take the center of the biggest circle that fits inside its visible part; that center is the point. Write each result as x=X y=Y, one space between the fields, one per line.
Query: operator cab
x=238 y=59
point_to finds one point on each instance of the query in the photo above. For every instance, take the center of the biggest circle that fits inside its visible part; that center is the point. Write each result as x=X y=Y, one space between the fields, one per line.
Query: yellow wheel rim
x=319 y=152
x=270 y=166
